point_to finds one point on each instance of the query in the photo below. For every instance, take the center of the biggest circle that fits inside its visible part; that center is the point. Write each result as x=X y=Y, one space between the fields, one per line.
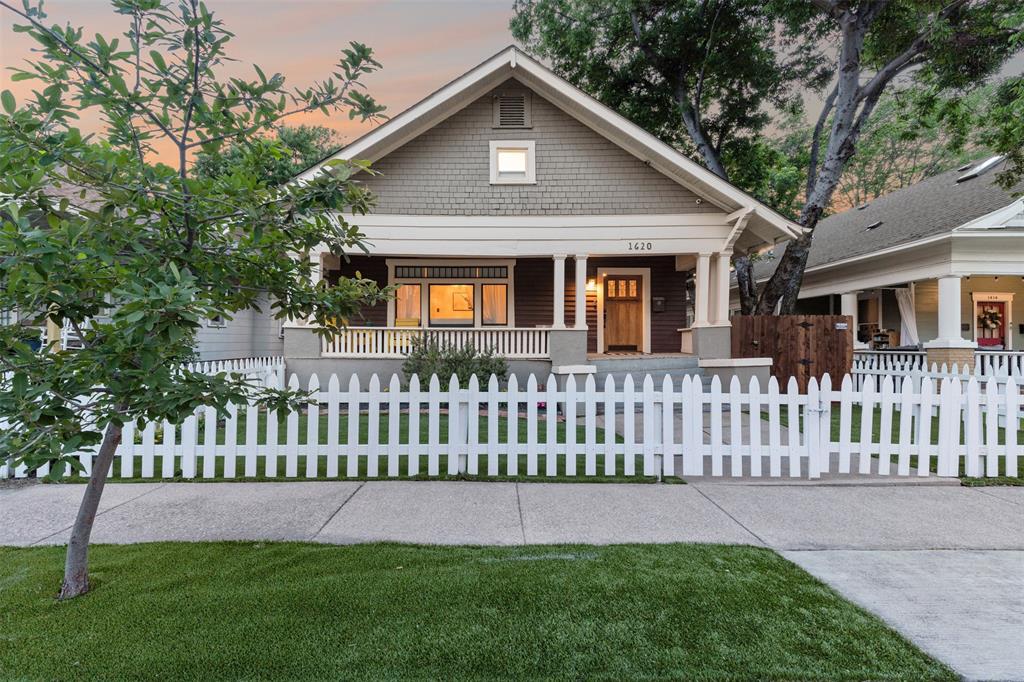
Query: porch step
x=640 y=366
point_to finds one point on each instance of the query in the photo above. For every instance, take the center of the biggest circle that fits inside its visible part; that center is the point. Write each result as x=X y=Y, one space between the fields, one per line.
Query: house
x=937 y=267
x=517 y=213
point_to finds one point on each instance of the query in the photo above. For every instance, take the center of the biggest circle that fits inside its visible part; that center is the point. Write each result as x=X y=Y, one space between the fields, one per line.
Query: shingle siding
x=446 y=171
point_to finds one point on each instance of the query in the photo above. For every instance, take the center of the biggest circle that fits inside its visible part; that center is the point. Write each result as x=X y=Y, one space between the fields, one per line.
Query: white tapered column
x=559 y=295
x=720 y=307
x=702 y=290
x=848 y=306
x=581 y=292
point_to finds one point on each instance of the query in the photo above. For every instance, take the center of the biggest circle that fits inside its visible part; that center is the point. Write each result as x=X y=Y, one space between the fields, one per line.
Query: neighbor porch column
x=581 y=292
x=848 y=306
x=559 y=302
x=950 y=347
x=720 y=307
x=702 y=290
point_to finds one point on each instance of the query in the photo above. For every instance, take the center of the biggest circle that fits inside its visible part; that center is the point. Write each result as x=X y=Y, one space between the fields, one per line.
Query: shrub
x=428 y=356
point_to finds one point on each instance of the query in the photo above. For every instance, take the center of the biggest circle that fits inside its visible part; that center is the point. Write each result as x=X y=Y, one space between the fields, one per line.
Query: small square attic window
x=513 y=162
x=512 y=109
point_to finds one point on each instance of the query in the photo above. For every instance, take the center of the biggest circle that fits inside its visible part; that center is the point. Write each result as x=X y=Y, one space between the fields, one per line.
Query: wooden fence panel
x=801 y=346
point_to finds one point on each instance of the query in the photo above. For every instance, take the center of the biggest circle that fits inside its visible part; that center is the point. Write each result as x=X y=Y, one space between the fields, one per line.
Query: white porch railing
x=396 y=342
x=999 y=362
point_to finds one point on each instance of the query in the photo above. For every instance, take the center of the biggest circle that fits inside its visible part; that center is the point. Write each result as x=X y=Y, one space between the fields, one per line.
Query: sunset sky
x=422 y=44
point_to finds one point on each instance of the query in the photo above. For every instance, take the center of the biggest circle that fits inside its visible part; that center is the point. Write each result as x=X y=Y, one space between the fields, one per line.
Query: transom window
x=513 y=162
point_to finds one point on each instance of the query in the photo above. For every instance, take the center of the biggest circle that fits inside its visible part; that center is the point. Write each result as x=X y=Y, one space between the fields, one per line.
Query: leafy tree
x=725 y=61
x=134 y=254
x=279 y=157
x=905 y=142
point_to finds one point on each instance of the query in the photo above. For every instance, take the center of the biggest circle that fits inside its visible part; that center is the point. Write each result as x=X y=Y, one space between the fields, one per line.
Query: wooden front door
x=623 y=313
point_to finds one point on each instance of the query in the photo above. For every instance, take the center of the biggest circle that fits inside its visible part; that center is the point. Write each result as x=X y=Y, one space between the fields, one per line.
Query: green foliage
x=278 y=158
x=680 y=69
x=428 y=357
x=135 y=253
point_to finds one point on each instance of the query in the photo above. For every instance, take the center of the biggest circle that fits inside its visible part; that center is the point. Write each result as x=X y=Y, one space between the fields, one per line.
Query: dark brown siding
x=535 y=287
x=369 y=268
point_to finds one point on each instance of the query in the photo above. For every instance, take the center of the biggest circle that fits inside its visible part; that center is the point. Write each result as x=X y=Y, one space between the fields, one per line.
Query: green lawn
x=265 y=611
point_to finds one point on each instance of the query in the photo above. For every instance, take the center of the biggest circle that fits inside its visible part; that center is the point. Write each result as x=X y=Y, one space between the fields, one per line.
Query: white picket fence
x=873 y=370
x=259 y=367
x=661 y=429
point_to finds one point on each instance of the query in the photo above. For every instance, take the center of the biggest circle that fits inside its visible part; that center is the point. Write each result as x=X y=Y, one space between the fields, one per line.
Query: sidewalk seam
x=519 y=506
x=336 y=511
x=98 y=514
x=984 y=492
x=734 y=519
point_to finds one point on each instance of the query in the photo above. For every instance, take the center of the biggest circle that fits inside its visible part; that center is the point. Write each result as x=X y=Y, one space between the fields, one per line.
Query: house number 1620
x=640 y=246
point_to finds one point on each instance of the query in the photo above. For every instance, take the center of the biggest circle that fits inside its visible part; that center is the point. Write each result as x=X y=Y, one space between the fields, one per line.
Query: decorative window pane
x=451 y=305
x=632 y=288
x=495 y=304
x=407 y=306
x=408 y=271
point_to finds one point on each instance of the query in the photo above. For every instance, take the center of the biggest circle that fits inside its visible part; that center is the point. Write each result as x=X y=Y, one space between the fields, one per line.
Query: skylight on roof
x=980 y=168
x=863 y=206
x=873 y=225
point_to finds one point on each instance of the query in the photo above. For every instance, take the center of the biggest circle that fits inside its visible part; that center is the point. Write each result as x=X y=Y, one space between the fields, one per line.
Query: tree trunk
x=744 y=268
x=76 y=564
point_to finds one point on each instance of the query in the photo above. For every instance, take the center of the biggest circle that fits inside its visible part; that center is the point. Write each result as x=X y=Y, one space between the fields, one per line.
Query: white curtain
x=908 y=318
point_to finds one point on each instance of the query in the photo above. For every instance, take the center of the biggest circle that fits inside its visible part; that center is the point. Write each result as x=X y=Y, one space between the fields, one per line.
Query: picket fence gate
x=423 y=431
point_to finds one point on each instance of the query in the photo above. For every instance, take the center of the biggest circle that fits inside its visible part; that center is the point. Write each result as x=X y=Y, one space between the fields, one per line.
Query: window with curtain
x=495 y=304
x=407 y=306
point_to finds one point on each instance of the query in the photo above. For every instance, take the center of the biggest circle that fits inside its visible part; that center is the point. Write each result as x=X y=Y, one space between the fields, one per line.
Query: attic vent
x=873 y=225
x=512 y=110
x=980 y=168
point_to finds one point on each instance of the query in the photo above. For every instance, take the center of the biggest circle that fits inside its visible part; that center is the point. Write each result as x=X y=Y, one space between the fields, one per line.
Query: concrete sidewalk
x=783 y=517
x=943 y=565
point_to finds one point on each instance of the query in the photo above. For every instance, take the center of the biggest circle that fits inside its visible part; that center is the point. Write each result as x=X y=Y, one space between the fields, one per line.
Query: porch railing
x=396 y=342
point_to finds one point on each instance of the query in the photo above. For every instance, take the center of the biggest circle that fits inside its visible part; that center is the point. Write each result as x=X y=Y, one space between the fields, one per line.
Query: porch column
x=720 y=282
x=848 y=306
x=559 y=303
x=581 y=292
x=950 y=347
x=702 y=290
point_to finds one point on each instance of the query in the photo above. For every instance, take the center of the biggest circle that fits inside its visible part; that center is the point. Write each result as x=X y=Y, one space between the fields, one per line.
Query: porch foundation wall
x=961 y=357
x=712 y=342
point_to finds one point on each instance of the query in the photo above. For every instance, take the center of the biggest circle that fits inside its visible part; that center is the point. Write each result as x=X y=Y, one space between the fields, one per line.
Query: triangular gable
x=762 y=221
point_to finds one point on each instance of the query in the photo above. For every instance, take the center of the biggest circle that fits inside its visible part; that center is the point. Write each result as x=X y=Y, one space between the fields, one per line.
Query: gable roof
x=763 y=223
x=953 y=201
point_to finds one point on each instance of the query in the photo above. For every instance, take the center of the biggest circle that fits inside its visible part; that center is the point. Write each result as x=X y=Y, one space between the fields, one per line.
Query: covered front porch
x=549 y=293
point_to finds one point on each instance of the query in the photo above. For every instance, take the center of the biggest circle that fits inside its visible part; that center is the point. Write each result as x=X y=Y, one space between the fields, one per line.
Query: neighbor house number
x=640 y=246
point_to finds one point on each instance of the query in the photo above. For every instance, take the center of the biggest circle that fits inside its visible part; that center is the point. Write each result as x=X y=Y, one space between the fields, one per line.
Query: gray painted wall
x=249 y=334
x=445 y=171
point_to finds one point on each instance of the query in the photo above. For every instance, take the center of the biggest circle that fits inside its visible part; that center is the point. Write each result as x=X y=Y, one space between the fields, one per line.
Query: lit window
x=495 y=304
x=407 y=306
x=513 y=162
x=451 y=305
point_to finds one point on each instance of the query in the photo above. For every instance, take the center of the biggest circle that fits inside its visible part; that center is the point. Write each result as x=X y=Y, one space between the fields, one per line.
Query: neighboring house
x=517 y=213
x=936 y=266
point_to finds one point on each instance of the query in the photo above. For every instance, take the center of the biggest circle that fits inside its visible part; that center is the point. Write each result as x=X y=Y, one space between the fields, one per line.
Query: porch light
x=592 y=284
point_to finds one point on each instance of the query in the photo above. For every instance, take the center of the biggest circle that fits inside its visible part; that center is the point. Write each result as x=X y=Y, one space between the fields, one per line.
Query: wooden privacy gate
x=800 y=346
